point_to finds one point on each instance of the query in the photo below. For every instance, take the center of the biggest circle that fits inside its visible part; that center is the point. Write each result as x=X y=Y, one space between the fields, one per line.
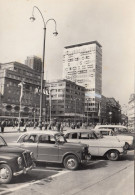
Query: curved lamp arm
x=33 y=18
x=45 y=23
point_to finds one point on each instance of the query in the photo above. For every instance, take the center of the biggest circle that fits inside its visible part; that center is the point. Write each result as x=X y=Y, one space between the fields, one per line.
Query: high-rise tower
x=82 y=64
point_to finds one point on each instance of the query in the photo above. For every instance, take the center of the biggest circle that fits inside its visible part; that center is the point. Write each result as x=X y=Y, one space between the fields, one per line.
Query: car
x=118 y=128
x=109 y=133
x=13 y=161
x=98 y=146
x=51 y=146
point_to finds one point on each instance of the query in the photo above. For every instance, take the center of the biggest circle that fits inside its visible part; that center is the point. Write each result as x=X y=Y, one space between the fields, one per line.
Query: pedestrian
x=3 y=124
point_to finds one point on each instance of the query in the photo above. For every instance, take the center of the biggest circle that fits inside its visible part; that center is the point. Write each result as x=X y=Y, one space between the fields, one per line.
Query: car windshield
x=2 y=142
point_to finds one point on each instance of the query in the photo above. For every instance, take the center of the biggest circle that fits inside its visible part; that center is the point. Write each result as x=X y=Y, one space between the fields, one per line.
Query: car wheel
x=5 y=174
x=71 y=162
x=113 y=155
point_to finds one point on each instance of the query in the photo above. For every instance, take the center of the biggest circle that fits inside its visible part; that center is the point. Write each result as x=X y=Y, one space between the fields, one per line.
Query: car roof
x=79 y=131
x=43 y=132
x=114 y=126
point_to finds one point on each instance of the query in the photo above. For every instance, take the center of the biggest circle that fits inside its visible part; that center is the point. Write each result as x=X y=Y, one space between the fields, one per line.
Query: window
x=46 y=139
x=29 y=138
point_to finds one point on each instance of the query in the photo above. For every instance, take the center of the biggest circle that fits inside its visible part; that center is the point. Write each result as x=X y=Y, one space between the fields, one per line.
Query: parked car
x=118 y=128
x=109 y=133
x=51 y=146
x=13 y=161
x=98 y=146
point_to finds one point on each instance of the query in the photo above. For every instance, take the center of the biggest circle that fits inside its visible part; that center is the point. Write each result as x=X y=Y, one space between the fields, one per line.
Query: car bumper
x=124 y=152
x=24 y=170
x=87 y=159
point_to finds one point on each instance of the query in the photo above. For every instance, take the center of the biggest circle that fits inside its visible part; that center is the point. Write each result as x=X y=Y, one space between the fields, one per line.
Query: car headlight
x=19 y=160
x=32 y=155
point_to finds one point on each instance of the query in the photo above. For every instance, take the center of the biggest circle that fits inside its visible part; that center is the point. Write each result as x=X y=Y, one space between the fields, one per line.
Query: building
x=131 y=112
x=113 y=111
x=34 y=62
x=11 y=75
x=82 y=64
x=65 y=101
x=103 y=110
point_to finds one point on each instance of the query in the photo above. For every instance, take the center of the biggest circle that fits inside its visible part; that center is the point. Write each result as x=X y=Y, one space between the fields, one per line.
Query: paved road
x=100 y=177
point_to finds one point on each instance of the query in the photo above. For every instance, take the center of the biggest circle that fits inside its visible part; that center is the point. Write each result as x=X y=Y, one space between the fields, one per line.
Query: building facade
x=131 y=112
x=65 y=100
x=11 y=75
x=82 y=64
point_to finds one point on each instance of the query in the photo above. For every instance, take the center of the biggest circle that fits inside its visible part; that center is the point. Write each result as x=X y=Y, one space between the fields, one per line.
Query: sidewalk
x=15 y=129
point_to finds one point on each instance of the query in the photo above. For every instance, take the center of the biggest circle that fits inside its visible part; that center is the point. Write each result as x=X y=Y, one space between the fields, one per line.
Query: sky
x=110 y=22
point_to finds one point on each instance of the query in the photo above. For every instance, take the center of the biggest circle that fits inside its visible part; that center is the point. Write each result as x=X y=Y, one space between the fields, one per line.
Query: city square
x=60 y=79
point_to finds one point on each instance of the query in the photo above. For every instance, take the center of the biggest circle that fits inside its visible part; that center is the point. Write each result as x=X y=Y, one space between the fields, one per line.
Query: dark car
x=51 y=146
x=13 y=161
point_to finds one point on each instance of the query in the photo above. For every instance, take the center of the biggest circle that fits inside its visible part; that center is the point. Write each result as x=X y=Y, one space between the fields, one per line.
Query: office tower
x=82 y=64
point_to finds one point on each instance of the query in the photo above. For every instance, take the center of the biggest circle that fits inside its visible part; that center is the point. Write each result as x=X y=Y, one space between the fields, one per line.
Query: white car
x=113 y=127
x=110 y=134
x=98 y=146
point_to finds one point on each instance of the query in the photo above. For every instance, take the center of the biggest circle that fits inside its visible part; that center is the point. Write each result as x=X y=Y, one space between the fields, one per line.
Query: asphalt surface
x=100 y=177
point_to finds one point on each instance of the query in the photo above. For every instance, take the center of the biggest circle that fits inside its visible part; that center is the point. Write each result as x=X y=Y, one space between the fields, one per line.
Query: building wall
x=82 y=64
x=34 y=62
x=131 y=112
x=11 y=74
x=66 y=100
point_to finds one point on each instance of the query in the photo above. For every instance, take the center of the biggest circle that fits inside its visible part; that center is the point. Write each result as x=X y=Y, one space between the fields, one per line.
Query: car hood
x=125 y=137
x=9 y=149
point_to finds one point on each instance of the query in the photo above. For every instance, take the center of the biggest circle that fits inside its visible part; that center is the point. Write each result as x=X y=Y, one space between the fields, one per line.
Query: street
x=99 y=177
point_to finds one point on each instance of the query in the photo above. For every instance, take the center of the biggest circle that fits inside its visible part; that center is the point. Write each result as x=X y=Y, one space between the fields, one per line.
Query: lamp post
x=21 y=84
x=42 y=69
x=87 y=111
x=50 y=100
x=110 y=115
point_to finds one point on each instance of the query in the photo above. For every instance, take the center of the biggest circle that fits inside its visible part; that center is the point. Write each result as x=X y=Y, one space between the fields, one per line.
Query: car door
x=47 y=149
x=29 y=142
x=90 y=139
x=86 y=138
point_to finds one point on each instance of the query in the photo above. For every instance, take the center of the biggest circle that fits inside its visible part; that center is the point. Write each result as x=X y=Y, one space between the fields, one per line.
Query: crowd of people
x=50 y=125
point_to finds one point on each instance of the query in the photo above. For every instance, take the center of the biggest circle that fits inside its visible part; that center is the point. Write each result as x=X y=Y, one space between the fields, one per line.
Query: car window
x=28 y=138
x=105 y=132
x=86 y=135
x=59 y=138
x=2 y=142
x=47 y=139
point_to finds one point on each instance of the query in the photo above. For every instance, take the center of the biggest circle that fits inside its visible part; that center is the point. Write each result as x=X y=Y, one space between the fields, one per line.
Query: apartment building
x=131 y=112
x=11 y=75
x=65 y=100
x=82 y=64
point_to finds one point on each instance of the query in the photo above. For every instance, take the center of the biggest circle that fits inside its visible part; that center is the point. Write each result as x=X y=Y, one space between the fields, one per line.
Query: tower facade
x=34 y=62
x=82 y=64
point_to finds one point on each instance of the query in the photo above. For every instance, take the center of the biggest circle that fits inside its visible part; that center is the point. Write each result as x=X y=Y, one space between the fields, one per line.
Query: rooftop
x=81 y=44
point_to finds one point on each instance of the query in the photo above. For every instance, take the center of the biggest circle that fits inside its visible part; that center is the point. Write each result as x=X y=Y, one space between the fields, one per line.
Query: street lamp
x=87 y=111
x=42 y=69
x=110 y=115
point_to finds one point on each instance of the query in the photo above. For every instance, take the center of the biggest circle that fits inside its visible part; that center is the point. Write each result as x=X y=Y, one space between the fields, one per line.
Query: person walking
x=3 y=123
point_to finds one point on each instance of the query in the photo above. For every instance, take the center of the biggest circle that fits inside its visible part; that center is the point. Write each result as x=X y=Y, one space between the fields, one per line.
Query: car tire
x=5 y=174
x=112 y=155
x=71 y=162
